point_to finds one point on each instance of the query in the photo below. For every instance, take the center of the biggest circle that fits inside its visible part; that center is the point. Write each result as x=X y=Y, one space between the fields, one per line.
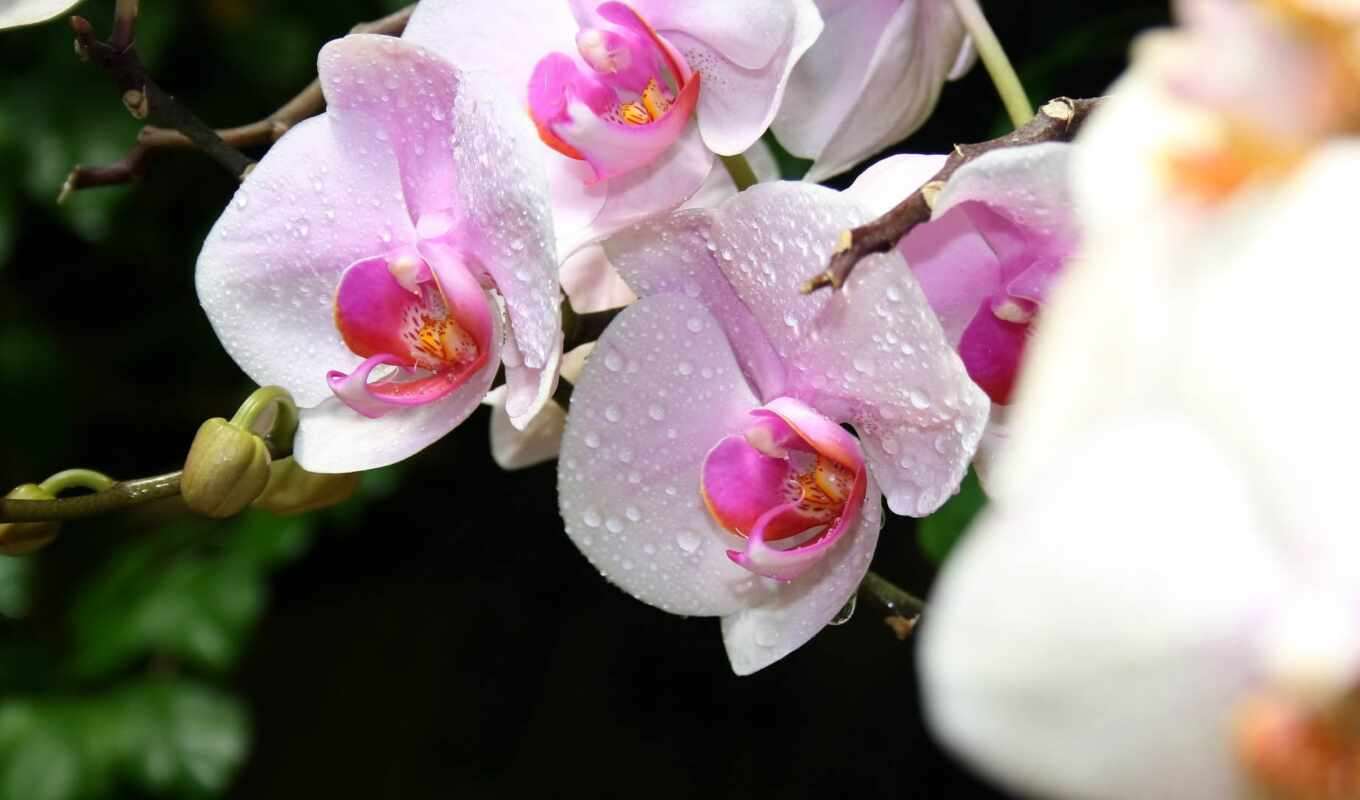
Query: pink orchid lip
x=418 y=309
x=632 y=103
x=792 y=477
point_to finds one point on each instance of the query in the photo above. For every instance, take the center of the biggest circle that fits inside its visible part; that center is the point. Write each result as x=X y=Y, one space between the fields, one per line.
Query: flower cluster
x=387 y=259
x=1135 y=339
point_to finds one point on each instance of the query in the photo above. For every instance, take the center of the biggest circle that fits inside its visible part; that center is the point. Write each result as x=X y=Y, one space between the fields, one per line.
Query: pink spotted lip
x=629 y=102
x=791 y=484
x=418 y=309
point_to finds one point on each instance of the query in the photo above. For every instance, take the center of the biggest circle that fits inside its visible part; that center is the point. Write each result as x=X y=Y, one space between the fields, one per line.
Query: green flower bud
x=22 y=538
x=227 y=468
x=294 y=490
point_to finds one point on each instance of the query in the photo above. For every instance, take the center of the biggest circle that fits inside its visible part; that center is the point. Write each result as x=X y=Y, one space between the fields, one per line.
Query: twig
x=142 y=96
x=261 y=133
x=1057 y=121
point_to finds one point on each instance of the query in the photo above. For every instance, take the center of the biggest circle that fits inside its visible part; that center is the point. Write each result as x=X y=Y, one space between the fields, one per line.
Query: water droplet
x=918 y=400
x=612 y=413
x=685 y=368
x=614 y=524
x=632 y=513
x=847 y=611
x=694 y=324
x=656 y=412
x=592 y=441
x=613 y=361
x=688 y=541
x=591 y=518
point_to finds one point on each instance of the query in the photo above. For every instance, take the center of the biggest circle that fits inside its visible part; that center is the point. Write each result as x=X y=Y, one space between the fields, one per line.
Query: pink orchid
x=364 y=262
x=704 y=469
x=871 y=79
x=14 y=13
x=630 y=100
x=1002 y=230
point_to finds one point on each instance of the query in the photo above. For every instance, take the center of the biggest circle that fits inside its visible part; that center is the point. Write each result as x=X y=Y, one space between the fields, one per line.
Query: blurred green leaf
x=168 y=737
x=16 y=581
x=193 y=593
x=939 y=532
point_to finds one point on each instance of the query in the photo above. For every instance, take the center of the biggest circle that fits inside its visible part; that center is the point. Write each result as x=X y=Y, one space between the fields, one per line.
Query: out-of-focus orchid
x=630 y=100
x=703 y=468
x=1162 y=600
x=871 y=79
x=14 y=13
x=1002 y=229
x=364 y=263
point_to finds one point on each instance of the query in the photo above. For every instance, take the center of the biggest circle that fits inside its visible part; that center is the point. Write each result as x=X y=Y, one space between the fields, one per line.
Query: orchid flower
x=704 y=469
x=1161 y=600
x=630 y=100
x=373 y=261
x=871 y=79
x=14 y=13
x=1001 y=231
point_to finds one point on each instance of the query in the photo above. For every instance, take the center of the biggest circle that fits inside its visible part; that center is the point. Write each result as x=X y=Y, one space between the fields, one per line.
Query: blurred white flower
x=1164 y=598
x=14 y=13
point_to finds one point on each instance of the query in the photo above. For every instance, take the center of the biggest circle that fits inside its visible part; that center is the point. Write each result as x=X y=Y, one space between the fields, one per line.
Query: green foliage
x=16 y=577
x=938 y=533
x=172 y=737
x=191 y=593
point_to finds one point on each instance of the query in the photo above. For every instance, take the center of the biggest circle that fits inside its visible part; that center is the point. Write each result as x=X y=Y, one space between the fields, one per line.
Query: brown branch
x=142 y=96
x=260 y=133
x=1057 y=121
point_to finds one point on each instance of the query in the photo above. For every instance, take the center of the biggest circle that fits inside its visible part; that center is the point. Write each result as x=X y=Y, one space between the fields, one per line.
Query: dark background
x=438 y=635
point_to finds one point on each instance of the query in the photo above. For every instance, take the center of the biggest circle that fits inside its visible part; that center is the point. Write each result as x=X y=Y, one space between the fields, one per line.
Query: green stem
x=893 y=597
x=994 y=59
x=740 y=170
x=122 y=494
x=77 y=479
x=281 y=426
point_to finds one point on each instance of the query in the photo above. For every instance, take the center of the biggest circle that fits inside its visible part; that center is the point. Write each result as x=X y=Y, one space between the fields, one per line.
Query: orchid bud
x=294 y=490
x=227 y=468
x=23 y=538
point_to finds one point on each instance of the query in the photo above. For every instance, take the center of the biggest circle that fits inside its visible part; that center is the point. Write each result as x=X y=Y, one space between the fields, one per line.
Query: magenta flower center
x=620 y=102
x=790 y=484
x=417 y=310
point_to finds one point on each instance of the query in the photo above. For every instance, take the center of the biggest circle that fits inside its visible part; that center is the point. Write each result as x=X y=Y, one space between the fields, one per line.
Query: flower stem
x=77 y=478
x=277 y=429
x=994 y=59
x=891 y=596
x=120 y=495
x=740 y=170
